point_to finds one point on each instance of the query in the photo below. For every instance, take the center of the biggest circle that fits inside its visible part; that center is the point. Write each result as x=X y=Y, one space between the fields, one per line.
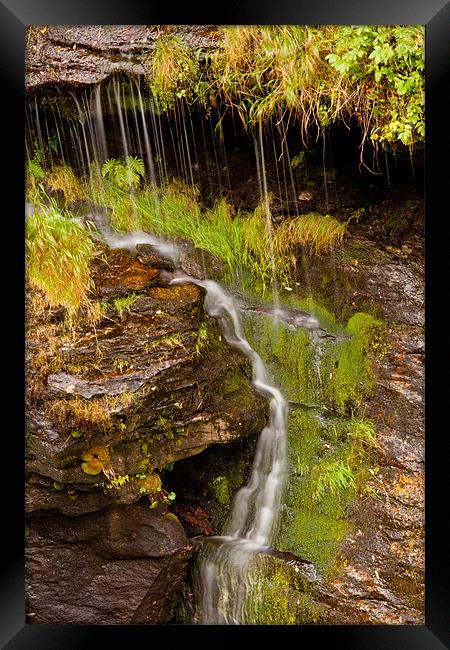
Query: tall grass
x=63 y=178
x=240 y=240
x=270 y=71
x=58 y=253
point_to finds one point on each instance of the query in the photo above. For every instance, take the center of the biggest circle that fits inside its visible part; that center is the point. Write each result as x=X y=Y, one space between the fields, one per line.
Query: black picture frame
x=15 y=15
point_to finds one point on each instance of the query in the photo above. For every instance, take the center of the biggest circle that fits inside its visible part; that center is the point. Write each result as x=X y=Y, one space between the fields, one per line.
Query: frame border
x=15 y=15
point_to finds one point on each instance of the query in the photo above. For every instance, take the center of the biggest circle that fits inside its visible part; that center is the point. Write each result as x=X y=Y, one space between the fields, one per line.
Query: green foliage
x=388 y=62
x=288 y=354
x=241 y=240
x=362 y=432
x=34 y=175
x=62 y=177
x=174 y=74
x=202 y=341
x=220 y=487
x=125 y=174
x=333 y=476
x=124 y=304
x=116 y=482
x=59 y=251
x=319 y=74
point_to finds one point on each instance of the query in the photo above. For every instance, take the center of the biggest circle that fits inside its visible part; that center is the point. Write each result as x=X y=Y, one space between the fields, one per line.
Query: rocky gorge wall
x=108 y=408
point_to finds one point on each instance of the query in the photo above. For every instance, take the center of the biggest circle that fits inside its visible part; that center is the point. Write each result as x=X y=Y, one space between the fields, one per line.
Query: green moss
x=282 y=596
x=124 y=304
x=289 y=355
x=312 y=527
x=165 y=428
x=346 y=372
x=221 y=489
x=233 y=380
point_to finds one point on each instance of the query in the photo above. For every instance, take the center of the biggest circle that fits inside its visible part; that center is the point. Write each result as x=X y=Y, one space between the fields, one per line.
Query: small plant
x=174 y=73
x=333 y=476
x=119 y=481
x=125 y=174
x=59 y=251
x=124 y=304
x=202 y=342
x=96 y=460
x=362 y=432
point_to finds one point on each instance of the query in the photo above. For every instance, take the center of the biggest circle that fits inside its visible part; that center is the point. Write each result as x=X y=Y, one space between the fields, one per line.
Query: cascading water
x=227 y=590
x=225 y=587
x=226 y=561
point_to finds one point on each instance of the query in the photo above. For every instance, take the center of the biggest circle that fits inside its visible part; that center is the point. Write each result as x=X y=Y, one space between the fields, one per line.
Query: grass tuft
x=59 y=251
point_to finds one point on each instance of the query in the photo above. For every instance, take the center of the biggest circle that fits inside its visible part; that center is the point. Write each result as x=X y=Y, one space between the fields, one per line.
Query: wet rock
x=200 y=264
x=136 y=391
x=118 y=566
x=121 y=275
x=383 y=577
x=86 y=54
x=137 y=386
x=148 y=256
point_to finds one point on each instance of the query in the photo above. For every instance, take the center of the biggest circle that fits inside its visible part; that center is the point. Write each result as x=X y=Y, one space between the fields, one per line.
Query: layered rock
x=110 y=406
x=81 y=55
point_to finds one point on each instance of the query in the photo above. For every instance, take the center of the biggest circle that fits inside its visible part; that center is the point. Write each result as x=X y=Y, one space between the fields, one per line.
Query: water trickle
x=227 y=560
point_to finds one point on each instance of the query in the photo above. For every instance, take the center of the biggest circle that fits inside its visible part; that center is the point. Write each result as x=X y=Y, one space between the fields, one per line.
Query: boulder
x=117 y=566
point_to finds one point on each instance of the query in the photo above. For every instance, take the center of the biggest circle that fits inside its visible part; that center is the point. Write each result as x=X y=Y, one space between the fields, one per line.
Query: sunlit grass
x=241 y=240
x=63 y=178
x=318 y=233
x=59 y=251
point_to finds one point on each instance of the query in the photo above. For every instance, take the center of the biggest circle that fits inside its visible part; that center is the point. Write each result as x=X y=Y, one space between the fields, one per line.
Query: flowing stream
x=225 y=562
x=226 y=591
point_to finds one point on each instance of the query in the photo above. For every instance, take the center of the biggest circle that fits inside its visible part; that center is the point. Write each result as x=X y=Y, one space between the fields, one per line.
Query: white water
x=227 y=562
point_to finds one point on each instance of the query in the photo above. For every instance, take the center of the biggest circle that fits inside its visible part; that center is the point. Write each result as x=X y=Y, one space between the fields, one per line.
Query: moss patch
x=346 y=374
x=329 y=453
x=221 y=489
x=282 y=596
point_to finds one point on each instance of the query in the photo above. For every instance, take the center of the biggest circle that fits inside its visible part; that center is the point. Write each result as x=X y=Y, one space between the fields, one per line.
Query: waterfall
x=224 y=577
x=225 y=582
x=225 y=586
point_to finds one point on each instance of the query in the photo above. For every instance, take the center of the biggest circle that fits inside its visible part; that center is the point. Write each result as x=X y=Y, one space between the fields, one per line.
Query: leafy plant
x=388 y=62
x=125 y=174
x=124 y=304
x=96 y=460
x=174 y=73
x=333 y=476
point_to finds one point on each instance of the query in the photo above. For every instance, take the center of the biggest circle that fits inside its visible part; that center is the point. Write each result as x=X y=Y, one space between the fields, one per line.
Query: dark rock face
x=383 y=578
x=86 y=54
x=136 y=391
x=121 y=565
